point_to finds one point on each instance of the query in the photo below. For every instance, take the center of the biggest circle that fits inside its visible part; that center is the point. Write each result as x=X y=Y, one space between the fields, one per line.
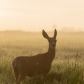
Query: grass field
x=67 y=67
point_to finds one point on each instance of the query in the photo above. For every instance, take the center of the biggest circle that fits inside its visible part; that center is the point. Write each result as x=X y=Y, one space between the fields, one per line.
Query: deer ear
x=45 y=34
x=55 y=33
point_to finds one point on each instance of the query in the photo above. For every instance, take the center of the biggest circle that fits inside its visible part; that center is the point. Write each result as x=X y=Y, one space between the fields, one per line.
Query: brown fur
x=39 y=64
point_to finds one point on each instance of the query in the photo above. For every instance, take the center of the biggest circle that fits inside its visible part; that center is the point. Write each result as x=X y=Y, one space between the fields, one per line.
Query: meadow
x=67 y=66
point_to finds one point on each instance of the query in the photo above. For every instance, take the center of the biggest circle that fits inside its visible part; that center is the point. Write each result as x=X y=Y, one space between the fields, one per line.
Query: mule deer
x=39 y=64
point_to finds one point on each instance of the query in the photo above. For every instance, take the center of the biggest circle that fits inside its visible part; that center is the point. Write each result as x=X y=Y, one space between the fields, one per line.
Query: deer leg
x=21 y=77
x=16 y=76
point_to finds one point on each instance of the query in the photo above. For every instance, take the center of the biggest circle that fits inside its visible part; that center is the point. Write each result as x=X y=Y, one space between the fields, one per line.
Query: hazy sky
x=35 y=15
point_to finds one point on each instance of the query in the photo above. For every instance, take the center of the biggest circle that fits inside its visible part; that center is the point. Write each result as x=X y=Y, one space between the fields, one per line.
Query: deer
x=39 y=64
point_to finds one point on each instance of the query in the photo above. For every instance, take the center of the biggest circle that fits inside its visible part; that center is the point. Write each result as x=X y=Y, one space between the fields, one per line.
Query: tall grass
x=67 y=67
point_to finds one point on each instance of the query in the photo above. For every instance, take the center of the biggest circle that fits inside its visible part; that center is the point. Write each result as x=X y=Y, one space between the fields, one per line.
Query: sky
x=35 y=15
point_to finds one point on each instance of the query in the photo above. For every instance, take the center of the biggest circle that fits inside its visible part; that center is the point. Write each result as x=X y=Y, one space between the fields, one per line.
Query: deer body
x=39 y=64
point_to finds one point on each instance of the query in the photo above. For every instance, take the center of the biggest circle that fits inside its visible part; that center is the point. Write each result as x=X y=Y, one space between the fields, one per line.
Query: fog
x=35 y=15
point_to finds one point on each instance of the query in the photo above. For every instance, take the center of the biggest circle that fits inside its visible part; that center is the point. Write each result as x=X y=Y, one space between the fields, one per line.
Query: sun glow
x=31 y=15
x=2 y=13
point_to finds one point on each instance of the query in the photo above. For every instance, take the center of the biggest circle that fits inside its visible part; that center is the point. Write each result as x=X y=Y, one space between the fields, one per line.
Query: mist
x=37 y=15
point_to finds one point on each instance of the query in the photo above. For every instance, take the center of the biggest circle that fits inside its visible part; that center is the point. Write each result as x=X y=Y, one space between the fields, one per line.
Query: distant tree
x=54 y=27
x=66 y=29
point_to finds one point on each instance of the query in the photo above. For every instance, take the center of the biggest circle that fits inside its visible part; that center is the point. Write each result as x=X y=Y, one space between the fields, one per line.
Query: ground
x=67 y=67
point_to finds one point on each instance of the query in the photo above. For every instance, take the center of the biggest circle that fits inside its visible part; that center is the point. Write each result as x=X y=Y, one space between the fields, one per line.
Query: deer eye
x=55 y=40
x=49 y=40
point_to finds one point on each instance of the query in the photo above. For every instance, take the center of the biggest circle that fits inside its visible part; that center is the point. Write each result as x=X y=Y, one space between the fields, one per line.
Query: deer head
x=51 y=40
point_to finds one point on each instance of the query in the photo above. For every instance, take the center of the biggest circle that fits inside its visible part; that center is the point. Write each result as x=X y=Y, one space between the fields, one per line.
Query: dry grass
x=67 y=67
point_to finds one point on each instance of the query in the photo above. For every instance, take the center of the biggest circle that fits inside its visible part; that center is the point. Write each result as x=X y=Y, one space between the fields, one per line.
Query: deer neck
x=51 y=54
